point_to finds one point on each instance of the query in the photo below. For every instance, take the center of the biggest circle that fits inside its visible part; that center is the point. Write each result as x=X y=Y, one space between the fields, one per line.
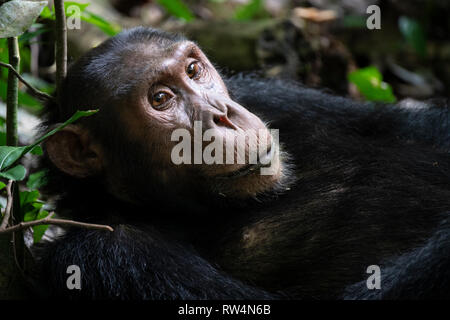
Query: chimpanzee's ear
x=73 y=152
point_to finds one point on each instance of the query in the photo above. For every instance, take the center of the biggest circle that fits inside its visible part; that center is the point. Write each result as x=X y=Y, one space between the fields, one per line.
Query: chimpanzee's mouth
x=264 y=160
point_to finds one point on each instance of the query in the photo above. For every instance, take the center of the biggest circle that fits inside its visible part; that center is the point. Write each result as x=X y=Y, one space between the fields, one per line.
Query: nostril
x=222 y=120
x=219 y=119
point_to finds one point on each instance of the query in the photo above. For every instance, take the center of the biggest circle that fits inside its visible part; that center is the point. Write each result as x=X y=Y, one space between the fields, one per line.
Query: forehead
x=174 y=49
x=148 y=61
x=155 y=56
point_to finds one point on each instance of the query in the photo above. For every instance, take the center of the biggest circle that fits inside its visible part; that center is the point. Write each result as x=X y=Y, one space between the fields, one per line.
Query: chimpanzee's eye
x=192 y=70
x=159 y=98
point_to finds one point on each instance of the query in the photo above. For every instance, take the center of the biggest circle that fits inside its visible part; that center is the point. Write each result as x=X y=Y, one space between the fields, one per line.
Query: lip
x=266 y=156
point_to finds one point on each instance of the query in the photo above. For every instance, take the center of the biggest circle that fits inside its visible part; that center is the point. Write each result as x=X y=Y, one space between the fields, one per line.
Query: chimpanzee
x=353 y=186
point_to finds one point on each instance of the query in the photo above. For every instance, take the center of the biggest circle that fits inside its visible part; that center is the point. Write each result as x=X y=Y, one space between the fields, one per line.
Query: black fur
x=135 y=263
x=372 y=183
x=419 y=274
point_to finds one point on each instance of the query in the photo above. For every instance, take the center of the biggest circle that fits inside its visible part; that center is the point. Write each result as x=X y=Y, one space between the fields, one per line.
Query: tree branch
x=59 y=222
x=35 y=92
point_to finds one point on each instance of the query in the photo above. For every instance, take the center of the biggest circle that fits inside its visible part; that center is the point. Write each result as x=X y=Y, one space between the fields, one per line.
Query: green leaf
x=413 y=33
x=2 y=185
x=37 y=151
x=177 y=9
x=249 y=10
x=369 y=83
x=38 y=204
x=109 y=28
x=17 y=16
x=16 y=173
x=50 y=13
x=47 y=14
x=81 y=6
x=35 y=213
x=2 y=138
x=39 y=231
x=27 y=198
x=9 y=155
x=30 y=215
x=37 y=180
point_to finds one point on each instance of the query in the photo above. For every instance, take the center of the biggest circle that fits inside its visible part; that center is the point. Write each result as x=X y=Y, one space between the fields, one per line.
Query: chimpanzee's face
x=190 y=134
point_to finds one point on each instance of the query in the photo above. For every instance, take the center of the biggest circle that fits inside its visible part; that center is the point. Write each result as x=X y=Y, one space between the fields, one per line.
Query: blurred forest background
x=322 y=43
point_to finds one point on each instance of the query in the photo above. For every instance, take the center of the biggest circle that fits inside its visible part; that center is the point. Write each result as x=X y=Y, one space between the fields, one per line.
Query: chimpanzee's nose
x=213 y=117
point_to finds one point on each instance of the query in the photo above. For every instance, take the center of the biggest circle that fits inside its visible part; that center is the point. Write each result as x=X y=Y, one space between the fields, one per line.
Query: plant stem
x=13 y=93
x=57 y=222
x=12 y=137
x=33 y=91
x=61 y=44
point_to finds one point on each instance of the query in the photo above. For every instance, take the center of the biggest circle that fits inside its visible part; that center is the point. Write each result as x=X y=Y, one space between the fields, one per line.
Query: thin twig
x=12 y=96
x=35 y=92
x=59 y=222
x=9 y=202
x=61 y=43
x=16 y=260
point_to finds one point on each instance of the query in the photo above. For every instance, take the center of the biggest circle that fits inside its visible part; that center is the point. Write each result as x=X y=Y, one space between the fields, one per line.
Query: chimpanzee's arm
x=132 y=264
